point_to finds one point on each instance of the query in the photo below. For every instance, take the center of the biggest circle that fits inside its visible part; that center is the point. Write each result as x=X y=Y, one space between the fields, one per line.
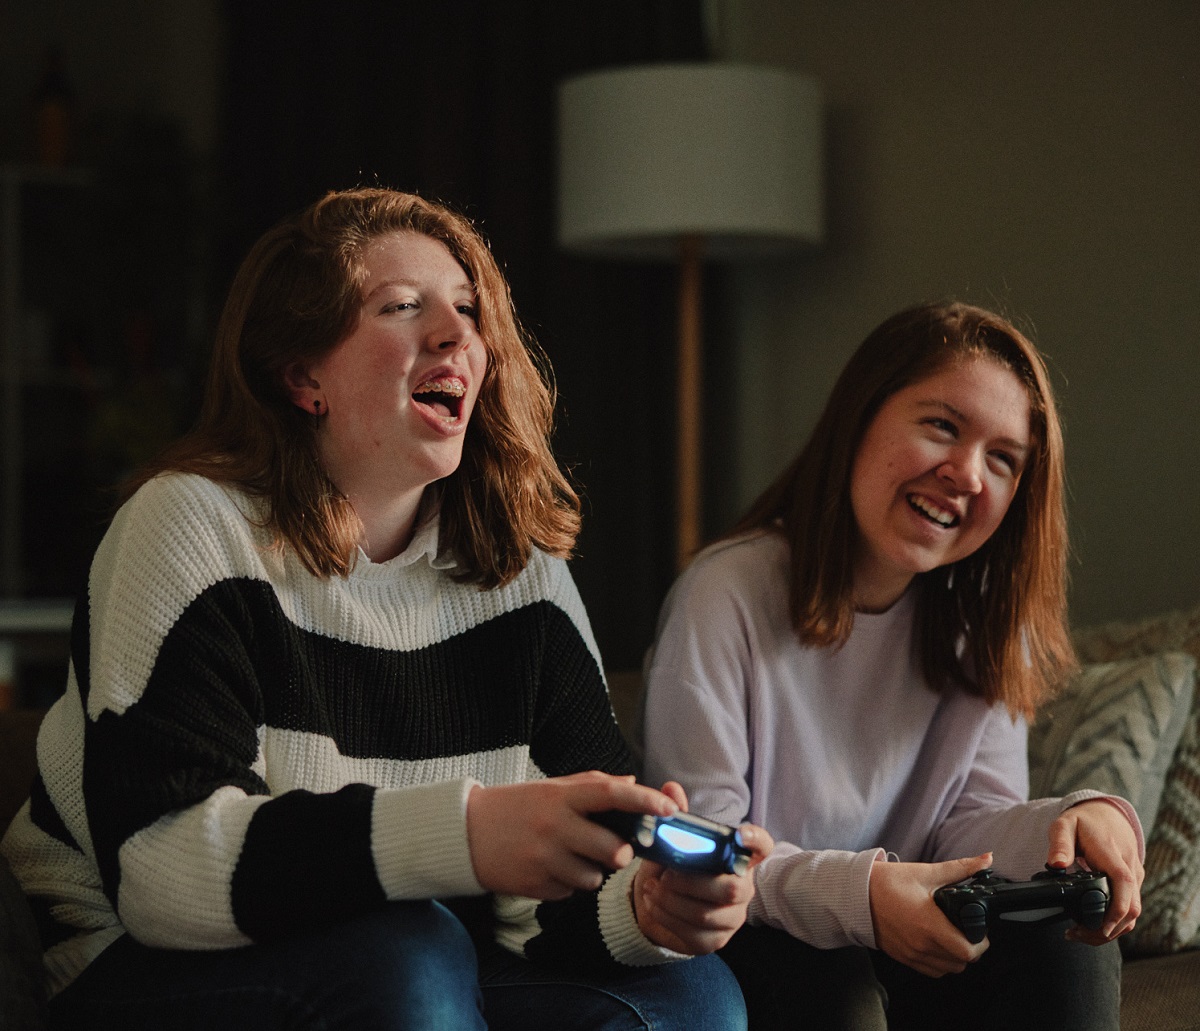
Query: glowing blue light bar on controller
x=685 y=841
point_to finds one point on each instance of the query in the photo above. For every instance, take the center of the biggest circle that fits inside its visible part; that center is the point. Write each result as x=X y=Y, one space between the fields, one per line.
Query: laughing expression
x=935 y=473
x=399 y=390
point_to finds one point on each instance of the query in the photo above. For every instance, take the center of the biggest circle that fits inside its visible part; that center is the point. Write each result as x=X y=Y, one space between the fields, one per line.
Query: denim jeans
x=1029 y=978
x=698 y=994
x=409 y=965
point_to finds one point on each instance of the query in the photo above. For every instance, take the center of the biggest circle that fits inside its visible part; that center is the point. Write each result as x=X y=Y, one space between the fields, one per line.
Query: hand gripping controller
x=683 y=841
x=974 y=905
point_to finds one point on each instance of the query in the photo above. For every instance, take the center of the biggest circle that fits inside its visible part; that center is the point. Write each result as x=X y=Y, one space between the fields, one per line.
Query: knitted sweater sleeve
x=993 y=813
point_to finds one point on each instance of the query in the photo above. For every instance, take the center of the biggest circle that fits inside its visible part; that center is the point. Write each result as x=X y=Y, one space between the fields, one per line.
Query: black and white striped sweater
x=244 y=750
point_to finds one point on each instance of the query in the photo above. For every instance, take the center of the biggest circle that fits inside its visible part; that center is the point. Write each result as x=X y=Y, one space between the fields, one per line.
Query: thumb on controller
x=954 y=870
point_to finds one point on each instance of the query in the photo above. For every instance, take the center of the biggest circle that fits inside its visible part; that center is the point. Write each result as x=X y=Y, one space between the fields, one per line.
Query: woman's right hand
x=535 y=839
x=910 y=927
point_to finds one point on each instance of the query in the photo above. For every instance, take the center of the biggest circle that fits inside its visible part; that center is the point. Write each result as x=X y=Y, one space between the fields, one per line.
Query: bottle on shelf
x=53 y=113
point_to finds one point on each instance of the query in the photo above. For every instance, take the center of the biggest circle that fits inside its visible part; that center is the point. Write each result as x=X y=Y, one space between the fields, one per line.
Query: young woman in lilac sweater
x=852 y=668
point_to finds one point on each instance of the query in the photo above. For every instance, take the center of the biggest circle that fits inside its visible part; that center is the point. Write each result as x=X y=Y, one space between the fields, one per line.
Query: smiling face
x=935 y=473
x=396 y=395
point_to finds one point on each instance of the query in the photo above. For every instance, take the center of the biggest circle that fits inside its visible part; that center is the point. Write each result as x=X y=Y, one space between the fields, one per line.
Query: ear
x=300 y=385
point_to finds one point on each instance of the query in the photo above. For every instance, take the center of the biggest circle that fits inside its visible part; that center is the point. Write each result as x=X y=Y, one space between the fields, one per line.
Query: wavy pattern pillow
x=1170 y=919
x=1114 y=728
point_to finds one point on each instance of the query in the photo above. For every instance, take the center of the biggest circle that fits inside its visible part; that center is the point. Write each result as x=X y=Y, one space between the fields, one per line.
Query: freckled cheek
x=478 y=374
x=996 y=509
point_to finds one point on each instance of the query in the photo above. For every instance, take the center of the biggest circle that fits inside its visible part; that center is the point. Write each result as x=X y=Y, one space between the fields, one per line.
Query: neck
x=388 y=522
x=875 y=609
x=878 y=593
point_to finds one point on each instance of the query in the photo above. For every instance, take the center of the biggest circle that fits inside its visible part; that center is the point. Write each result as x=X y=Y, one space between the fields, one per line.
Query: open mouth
x=443 y=396
x=936 y=515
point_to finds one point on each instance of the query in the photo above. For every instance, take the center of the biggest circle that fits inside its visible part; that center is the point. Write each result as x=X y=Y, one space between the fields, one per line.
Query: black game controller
x=683 y=841
x=974 y=905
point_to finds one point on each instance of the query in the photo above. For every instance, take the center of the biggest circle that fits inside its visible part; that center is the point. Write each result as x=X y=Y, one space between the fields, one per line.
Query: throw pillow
x=1170 y=919
x=1114 y=728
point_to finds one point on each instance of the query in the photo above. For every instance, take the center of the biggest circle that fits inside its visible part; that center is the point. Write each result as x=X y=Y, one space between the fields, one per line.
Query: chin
x=440 y=470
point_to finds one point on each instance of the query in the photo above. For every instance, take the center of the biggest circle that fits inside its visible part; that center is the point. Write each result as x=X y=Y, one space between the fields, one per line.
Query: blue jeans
x=409 y=965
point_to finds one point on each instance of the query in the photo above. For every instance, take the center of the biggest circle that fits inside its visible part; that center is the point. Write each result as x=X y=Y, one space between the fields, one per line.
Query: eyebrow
x=466 y=286
x=961 y=416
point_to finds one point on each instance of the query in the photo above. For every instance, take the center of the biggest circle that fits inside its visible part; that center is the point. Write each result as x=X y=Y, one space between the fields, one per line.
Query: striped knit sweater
x=244 y=750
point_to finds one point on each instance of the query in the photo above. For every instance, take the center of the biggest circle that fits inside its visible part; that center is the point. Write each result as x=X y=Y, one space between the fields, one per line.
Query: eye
x=1009 y=461
x=942 y=425
x=400 y=306
x=471 y=311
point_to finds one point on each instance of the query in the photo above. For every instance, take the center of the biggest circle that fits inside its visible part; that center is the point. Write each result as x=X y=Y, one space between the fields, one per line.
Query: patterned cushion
x=1170 y=919
x=1171 y=892
x=1114 y=728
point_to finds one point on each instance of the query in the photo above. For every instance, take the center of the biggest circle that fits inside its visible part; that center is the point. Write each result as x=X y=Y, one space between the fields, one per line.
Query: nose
x=963 y=470
x=451 y=329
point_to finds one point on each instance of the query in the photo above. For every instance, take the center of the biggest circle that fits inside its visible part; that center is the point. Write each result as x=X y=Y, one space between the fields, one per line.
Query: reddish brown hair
x=295 y=297
x=1007 y=601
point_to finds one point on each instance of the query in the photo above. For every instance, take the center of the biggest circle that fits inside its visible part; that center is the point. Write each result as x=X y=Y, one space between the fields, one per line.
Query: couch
x=1129 y=722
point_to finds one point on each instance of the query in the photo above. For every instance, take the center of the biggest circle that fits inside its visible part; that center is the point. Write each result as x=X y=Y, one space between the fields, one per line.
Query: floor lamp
x=686 y=163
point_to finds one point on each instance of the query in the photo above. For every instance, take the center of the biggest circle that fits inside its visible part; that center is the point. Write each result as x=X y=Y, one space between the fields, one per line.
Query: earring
x=316 y=407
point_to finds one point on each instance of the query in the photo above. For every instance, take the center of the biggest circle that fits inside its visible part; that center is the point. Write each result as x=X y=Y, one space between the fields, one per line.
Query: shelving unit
x=14 y=179
x=33 y=630
x=102 y=310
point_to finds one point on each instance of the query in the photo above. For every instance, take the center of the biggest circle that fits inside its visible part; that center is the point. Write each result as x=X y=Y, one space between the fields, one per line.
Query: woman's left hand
x=1097 y=834
x=696 y=913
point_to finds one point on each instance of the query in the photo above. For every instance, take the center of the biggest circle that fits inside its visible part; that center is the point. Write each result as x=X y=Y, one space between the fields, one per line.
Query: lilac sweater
x=841 y=753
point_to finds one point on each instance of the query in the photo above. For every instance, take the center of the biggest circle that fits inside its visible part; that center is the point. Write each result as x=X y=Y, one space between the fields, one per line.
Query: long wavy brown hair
x=295 y=297
x=1006 y=602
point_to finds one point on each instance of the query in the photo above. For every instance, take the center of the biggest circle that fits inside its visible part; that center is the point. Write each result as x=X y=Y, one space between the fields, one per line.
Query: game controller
x=974 y=905
x=683 y=841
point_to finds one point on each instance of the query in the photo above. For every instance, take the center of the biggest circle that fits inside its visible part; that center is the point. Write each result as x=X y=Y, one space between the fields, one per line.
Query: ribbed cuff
x=419 y=839
x=619 y=928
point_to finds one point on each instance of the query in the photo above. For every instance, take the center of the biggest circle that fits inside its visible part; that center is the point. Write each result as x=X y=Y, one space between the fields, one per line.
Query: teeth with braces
x=938 y=515
x=446 y=385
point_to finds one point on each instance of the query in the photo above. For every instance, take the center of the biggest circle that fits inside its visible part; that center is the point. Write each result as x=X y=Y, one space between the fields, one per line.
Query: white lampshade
x=652 y=154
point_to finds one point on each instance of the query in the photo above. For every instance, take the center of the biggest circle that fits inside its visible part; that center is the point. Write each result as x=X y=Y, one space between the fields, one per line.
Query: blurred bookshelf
x=101 y=305
x=39 y=412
